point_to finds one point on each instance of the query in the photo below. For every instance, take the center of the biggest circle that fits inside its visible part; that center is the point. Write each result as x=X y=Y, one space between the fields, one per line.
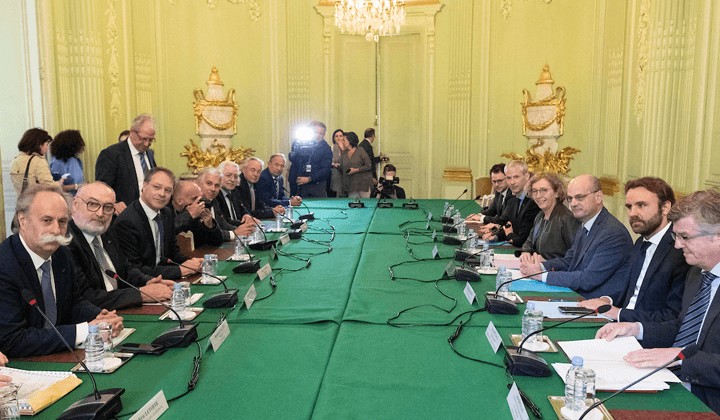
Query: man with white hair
x=209 y=180
x=249 y=198
x=37 y=270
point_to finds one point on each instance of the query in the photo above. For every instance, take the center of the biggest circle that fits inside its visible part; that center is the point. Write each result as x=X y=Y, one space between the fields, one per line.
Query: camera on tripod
x=389 y=182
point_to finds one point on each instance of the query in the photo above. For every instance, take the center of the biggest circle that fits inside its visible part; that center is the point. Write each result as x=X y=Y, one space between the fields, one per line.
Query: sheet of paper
x=508 y=260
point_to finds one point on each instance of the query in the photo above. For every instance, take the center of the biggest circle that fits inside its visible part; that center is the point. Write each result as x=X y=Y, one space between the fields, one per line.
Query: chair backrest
x=483 y=186
x=186 y=242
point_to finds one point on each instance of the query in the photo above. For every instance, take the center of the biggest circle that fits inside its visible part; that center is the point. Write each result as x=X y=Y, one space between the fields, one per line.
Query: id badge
x=308 y=168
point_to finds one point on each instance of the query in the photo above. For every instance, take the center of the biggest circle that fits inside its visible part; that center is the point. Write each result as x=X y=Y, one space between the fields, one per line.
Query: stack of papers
x=39 y=389
x=611 y=371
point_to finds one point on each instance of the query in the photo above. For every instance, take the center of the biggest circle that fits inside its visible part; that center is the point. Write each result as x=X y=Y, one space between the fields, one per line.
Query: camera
x=208 y=203
x=389 y=182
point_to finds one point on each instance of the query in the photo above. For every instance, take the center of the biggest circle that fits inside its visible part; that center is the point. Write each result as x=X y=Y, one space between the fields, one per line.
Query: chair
x=483 y=186
x=186 y=242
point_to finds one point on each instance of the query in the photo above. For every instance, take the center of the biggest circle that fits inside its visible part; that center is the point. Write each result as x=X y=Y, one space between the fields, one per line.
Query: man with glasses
x=123 y=165
x=696 y=228
x=95 y=251
x=594 y=266
x=656 y=268
x=310 y=164
x=146 y=230
x=502 y=194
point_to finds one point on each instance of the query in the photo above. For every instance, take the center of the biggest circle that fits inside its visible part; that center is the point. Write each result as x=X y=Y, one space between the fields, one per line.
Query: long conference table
x=321 y=346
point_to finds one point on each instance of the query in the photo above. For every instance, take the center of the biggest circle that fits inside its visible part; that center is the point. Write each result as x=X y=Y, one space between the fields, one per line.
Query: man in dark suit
x=247 y=192
x=696 y=227
x=367 y=145
x=95 y=251
x=516 y=221
x=146 y=230
x=310 y=163
x=123 y=165
x=270 y=187
x=209 y=180
x=594 y=264
x=191 y=215
x=656 y=269
x=502 y=196
x=34 y=261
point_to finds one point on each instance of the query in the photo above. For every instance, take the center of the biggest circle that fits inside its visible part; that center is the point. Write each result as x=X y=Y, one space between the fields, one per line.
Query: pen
x=528 y=403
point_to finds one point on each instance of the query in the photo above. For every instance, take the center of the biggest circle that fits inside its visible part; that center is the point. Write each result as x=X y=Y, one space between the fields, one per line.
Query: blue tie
x=143 y=164
x=48 y=295
x=690 y=327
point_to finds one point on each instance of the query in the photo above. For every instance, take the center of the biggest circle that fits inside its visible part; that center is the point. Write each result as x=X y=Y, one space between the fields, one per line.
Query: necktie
x=102 y=261
x=252 y=198
x=159 y=239
x=48 y=295
x=520 y=203
x=143 y=164
x=637 y=267
x=690 y=327
x=231 y=209
x=501 y=203
x=277 y=188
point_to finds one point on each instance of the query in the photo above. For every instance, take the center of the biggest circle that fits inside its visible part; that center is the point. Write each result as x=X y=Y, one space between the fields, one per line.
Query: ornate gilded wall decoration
x=253 y=5
x=642 y=63
x=111 y=34
x=216 y=113
x=546 y=161
x=199 y=159
x=506 y=7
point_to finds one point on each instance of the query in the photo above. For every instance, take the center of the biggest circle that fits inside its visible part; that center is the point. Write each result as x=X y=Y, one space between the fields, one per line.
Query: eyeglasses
x=145 y=139
x=498 y=181
x=94 y=206
x=686 y=238
x=579 y=197
x=539 y=191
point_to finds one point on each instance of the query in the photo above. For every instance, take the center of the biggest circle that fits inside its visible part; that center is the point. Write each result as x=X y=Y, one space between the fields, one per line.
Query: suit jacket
x=22 y=331
x=133 y=232
x=494 y=210
x=115 y=167
x=202 y=234
x=554 y=237
x=90 y=279
x=265 y=189
x=701 y=371
x=374 y=160
x=660 y=295
x=319 y=156
x=262 y=211
x=522 y=220
x=597 y=269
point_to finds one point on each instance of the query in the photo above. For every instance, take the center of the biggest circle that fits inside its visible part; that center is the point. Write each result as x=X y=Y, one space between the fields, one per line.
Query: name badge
x=308 y=168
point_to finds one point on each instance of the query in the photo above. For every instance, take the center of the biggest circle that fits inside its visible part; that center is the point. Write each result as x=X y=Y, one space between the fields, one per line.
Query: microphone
x=688 y=351
x=309 y=215
x=528 y=363
x=412 y=204
x=447 y=219
x=250 y=266
x=105 y=404
x=501 y=305
x=469 y=274
x=263 y=245
x=226 y=299
x=466 y=256
x=458 y=211
x=180 y=336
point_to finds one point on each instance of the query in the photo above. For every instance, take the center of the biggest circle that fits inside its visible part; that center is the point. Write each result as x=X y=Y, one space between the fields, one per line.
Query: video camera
x=386 y=183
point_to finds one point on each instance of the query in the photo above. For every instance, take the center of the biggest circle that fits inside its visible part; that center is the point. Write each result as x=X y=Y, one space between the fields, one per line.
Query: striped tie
x=143 y=164
x=690 y=328
x=102 y=261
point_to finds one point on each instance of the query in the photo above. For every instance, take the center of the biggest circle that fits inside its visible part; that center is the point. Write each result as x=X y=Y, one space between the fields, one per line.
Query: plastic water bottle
x=290 y=212
x=94 y=350
x=584 y=389
x=502 y=276
x=577 y=363
x=177 y=303
x=278 y=221
x=461 y=230
x=445 y=208
x=239 y=248
x=532 y=321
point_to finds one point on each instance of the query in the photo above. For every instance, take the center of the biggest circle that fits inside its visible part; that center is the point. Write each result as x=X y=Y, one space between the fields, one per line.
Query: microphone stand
x=501 y=305
x=447 y=219
x=265 y=244
x=226 y=299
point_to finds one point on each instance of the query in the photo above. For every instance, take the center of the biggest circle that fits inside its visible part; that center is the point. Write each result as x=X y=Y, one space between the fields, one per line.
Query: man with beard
x=657 y=270
x=95 y=251
x=35 y=263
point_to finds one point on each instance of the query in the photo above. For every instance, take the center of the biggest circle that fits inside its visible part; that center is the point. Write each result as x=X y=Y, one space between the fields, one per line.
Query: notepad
x=40 y=389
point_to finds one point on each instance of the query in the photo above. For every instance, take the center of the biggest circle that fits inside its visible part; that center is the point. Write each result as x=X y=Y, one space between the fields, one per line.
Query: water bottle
x=584 y=389
x=502 y=276
x=485 y=257
x=9 y=409
x=532 y=321
x=445 y=208
x=290 y=213
x=577 y=363
x=278 y=221
x=177 y=303
x=94 y=350
x=461 y=230
x=239 y=248
x=257 y=235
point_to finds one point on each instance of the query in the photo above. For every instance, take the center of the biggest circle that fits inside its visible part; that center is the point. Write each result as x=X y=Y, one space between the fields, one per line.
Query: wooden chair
x=186 y=243
x=483 y=186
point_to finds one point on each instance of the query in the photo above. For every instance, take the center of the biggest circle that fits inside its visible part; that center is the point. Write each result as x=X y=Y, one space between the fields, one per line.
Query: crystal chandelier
x=372 y=18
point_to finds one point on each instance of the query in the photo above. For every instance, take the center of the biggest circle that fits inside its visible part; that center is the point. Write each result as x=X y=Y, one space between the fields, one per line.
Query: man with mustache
x=94 y=251
x=34 y=261
x=657 y=270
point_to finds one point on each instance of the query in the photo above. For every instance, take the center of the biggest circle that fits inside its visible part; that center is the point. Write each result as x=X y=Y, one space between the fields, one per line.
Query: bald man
x=594 y=266
x=192 y=215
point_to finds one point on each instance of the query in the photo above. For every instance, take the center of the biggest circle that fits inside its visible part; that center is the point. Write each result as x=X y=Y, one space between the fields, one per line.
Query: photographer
x=310 y=163
x=387 y=185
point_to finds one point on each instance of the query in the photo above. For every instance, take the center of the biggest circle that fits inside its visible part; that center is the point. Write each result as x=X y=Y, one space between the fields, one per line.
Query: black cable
x=451 y=340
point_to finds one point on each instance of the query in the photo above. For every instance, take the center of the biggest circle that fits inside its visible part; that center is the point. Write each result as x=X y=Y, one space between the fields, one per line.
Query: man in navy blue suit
x=594 y=264
x=270 y=187
x=696 y=332
x=656 y=268
x=123 y=165
x=35 y=262
x=310 y=162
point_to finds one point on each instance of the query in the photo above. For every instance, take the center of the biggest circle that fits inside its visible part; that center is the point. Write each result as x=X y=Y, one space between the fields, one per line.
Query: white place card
x=469 y=293
x=284 y=239
x=273 y=253
x=153 y=409
x=303 y=227
x=434 y=252
x=264 y=271
x=218 y=337
x=429 y=216
x=434 y=235
x=450 y=269
x=514 y=400
x=250 y=296
x=493 y=337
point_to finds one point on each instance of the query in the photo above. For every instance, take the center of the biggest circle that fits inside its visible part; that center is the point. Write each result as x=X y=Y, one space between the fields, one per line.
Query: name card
x=493 y=337
x=303 y=227
x=273 y=253
x=450 y=269
x=429 y=216
x=218 y=337
x=264 y=271
x=153 y=409
x=250 y=296
x=434 y=235
x=469 y=292
x=284 y=239
x=514 y=400
x=427 y=226
x=434 y=252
